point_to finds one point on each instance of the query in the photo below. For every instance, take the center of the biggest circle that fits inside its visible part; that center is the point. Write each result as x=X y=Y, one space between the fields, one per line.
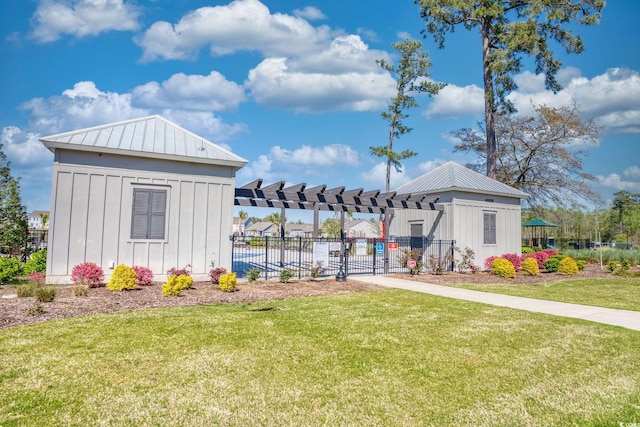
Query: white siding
x=91 y=214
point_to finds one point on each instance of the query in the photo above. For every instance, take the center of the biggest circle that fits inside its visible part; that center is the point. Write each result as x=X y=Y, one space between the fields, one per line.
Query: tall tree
x=537 y=154
x=509 y=30
x=411 y=76
x=243 y=220
x=624 y=217
x=13 y=216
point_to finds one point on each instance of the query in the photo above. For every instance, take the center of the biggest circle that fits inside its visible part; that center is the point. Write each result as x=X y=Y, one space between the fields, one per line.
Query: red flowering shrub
x=540 y=257
x=514 y=259
x=179 y=272
x=550 y=252
x=488 y=261
x=144 y=275
x=216 y=273
x=88 y=273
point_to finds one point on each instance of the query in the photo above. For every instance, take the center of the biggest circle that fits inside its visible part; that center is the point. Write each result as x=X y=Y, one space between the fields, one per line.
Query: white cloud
x=377 y=177
x=191 y=92
x=311 y=13
x=81 y=18
x=85 y=105
x=299 y=164
x=629 y=180
x=240 y=25
x=455 y=101
x=23 y=148
x=430 y=165
x=273 y=84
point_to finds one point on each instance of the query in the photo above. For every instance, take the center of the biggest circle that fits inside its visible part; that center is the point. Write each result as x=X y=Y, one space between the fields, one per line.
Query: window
x=489 y=228
x=148 y=213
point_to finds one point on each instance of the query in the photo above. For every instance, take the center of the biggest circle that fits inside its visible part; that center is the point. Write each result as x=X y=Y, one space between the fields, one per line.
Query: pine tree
x=13 y=216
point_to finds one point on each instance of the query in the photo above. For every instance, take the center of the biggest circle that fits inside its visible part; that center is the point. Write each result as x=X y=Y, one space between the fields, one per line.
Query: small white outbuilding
x=478 y=212
x=140 y=192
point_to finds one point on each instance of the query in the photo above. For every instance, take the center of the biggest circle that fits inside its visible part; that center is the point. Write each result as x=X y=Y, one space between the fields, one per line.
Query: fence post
x=266 y=257
x=299 y=257
x=451 y=252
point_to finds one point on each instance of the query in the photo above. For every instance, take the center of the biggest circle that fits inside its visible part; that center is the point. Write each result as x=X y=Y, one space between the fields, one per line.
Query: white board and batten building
x=479 y=212
x=140 y=192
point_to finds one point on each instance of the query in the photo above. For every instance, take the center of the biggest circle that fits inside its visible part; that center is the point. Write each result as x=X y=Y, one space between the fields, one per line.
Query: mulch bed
x=16 y=311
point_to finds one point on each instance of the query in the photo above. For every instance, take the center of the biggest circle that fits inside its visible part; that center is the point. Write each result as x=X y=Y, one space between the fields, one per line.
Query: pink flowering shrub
x=549 y=252
x=540 y=258
x=216 y=273
x=488 y=261
x=88 y=273
x=36 y=278
x=514 y=259
x=143 y=274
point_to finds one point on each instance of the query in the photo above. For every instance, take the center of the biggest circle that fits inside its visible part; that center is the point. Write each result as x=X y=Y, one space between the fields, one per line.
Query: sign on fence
x=321 y=253
x=361 y=247
x=393 y=246
x=380 y=248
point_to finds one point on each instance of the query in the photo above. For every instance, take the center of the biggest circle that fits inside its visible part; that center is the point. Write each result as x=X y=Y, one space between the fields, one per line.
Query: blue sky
x=291 y=86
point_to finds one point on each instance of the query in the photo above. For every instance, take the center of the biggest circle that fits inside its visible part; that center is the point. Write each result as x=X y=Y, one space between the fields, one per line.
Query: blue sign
x=380 y=248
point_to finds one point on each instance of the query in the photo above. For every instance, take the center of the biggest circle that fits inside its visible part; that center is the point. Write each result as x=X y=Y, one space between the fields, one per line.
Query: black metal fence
x=299 y=255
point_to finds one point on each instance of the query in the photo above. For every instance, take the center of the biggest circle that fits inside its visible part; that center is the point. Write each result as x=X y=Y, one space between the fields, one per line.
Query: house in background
x=298 y=230
x=263 y=229
x=34 y=220
x=479 y=212
x=363 y=228
x=240 y=225
x=140 y=192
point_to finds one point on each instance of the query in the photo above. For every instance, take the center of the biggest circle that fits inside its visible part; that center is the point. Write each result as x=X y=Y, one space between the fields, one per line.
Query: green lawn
x=379 y=358
x=620 y=293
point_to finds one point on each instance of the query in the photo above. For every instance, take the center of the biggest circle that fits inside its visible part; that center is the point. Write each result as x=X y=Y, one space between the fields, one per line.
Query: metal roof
x=153 y=136
x=452 y=176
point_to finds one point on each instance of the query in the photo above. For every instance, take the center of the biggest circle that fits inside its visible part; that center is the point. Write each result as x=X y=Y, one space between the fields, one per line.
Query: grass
x=388 y=357
x=620 y=293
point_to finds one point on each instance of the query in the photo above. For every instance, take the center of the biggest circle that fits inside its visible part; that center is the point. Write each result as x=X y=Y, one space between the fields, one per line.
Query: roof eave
x=483 y=192
x=52 y=146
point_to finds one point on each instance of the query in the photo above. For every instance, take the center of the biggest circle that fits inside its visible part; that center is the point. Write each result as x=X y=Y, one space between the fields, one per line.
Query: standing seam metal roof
x=152 y=136
x=453 y=176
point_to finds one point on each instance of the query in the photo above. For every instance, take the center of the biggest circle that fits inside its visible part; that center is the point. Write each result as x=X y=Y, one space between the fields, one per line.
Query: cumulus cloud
x=310 y=13
x=300 y=163
x=377 y=176
x=85 y=105
x=455 y=101
x=629 y=180
x=240 y=25
x=23 y=148
x=81 y=18
x=274 y=84
x=191 y=92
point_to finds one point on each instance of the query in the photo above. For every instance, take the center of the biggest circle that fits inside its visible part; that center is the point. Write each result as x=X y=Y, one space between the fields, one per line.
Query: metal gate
x=271 y=255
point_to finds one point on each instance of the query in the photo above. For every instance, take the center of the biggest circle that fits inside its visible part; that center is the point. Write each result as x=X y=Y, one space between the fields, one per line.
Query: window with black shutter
x=489 y=228
x=148 y=213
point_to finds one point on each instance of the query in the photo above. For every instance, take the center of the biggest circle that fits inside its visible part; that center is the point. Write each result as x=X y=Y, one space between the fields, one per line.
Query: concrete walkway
x=610 y=316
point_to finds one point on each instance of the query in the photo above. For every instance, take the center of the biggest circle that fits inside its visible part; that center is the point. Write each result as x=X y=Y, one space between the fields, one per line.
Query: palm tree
x=44 y=219
x=243 y=219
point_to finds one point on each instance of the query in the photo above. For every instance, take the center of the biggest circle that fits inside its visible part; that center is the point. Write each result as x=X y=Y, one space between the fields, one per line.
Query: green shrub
x=502 y=267
x=37 y=263
x=527 y=250
x=553 y=263
x=81 y=291
x=45 y=293
x=530 y=267
x=36 y=310
x=10 y=269
x=285 y=275
x=176 y=284
x=253 y=274
x=568 y=267
x=612 y=265
x=581 y=264
x=123 y=278
x=26 y=290
x=228 y=282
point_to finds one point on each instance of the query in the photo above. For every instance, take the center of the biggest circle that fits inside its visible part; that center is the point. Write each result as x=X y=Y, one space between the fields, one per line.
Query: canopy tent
x=534 y=225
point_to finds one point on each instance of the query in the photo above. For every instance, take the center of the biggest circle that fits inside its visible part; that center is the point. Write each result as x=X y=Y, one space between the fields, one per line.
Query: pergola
x=337 y=199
